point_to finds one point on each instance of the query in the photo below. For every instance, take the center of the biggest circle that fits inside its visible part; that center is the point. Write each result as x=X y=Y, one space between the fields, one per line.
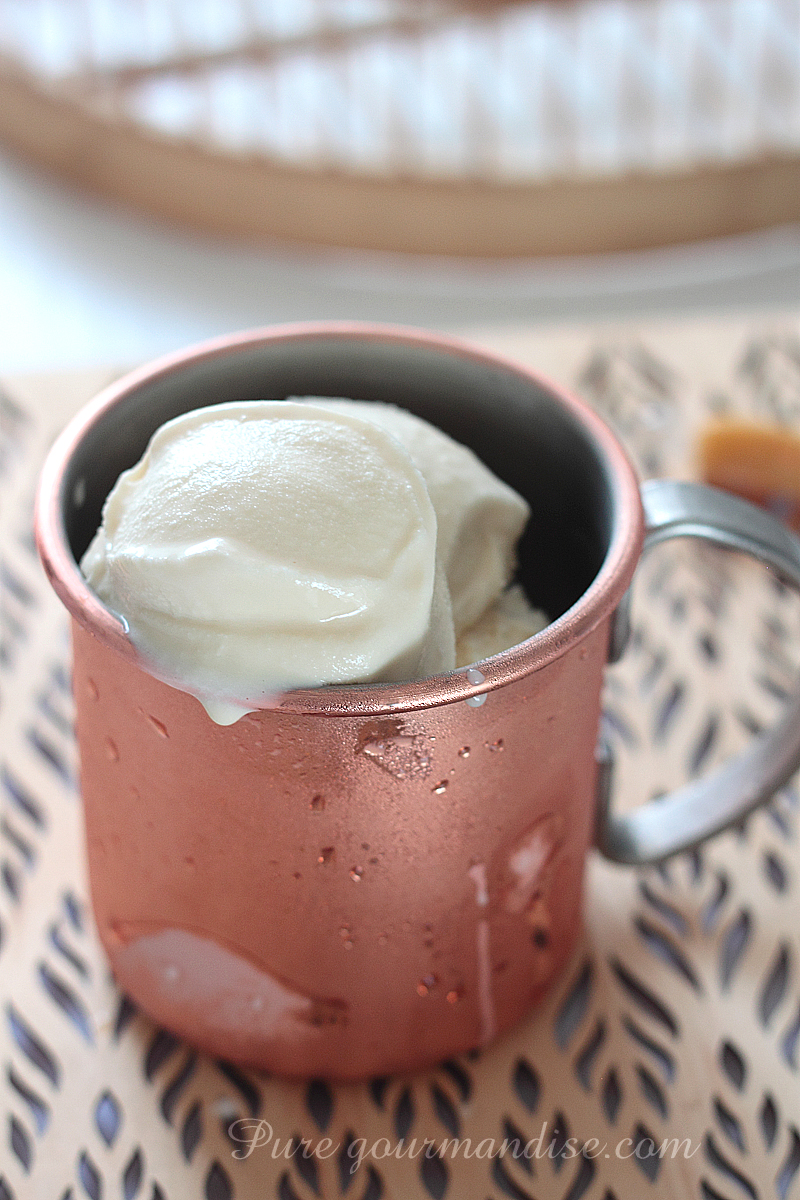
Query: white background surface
x=83 y=283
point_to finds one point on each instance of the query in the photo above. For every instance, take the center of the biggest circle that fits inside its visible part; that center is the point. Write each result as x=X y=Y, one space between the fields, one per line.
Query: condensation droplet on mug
x=584 y=653
x=112 y=753
x=344 y=932
x=441 y=786
x=348 y=944
x=356 y=874
x=464 y=752
x=159 y=726
x=454 y=995
x=317 y=803
x=92 y=690
x=426 y=985
x=326 y=855
x=495 y=747
x=383 y=939
x=476 y=701
x=404 y=756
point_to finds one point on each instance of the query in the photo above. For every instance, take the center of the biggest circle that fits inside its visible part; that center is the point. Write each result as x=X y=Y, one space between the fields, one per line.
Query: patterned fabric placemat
x=665 y=1062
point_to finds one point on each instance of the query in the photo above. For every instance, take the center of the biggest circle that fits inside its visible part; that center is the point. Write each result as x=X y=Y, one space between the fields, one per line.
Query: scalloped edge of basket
x=254 y=198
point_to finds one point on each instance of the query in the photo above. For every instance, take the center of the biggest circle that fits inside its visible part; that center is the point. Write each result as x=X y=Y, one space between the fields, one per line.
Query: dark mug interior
x=516 y=425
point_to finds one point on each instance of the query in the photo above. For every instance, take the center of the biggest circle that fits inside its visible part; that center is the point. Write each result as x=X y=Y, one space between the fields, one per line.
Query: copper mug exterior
x=364 y=879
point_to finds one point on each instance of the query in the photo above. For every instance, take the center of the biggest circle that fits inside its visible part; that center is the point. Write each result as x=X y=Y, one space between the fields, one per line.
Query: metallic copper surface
x=357 y=880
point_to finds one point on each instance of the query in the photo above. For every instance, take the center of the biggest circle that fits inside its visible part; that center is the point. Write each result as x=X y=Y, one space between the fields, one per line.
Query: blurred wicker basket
x=517 y=129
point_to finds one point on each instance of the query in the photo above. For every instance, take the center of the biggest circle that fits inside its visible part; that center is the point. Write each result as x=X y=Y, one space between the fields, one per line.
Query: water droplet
x=476 y=701
x=373 y=862
x=382 y=939
x=92 y=690
x=425 y=985
x=441 y=786
x=326 y=855
x=344 y=932
x=584 y=653
x=454 y=995
x=159 y=726
x=365 y=845
x=464 y=752
x=356 y=873
x=497 y=746
x=112 y=753
x=475 y=676
x=317 y=804
x=297 y=875
x=404 y=756
x=348 y=945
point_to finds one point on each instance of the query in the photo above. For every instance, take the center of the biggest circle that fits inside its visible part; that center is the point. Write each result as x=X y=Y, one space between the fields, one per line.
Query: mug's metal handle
x=705 y=806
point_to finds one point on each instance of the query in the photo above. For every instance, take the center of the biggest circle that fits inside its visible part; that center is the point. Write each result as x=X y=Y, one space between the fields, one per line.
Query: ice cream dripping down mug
x=354 y=880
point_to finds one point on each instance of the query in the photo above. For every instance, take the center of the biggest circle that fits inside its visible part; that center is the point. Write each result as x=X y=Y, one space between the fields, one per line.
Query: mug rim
x=598 y=600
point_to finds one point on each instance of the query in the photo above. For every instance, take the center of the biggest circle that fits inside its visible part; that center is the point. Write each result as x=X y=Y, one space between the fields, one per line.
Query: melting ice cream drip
x=477 y=874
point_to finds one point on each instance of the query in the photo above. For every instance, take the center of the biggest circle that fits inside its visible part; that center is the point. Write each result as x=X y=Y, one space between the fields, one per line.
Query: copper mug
x=367 y=879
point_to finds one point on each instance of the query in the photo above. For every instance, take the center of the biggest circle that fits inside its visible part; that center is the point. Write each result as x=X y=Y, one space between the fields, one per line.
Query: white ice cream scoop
x=480 y=517
x=510 y=620
x=260 y=546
